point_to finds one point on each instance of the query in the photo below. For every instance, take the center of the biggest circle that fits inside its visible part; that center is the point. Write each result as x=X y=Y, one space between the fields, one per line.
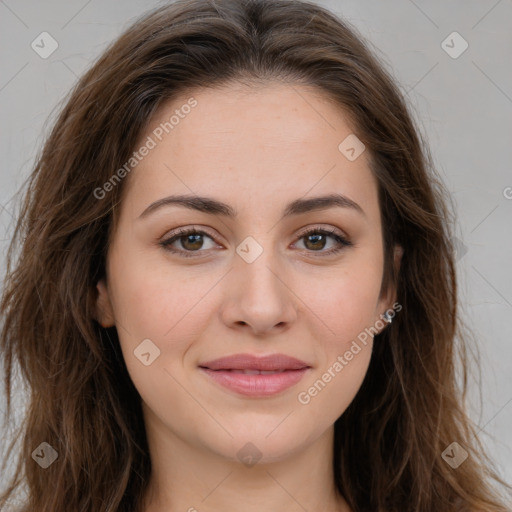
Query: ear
x=389 y=299
x=104 y=311
x=397 y=261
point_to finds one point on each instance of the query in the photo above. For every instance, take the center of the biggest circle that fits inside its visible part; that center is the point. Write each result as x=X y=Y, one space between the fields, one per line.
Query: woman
x=236 y=285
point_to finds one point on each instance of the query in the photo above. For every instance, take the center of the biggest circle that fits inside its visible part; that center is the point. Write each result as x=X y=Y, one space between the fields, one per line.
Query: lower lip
x=256 y=385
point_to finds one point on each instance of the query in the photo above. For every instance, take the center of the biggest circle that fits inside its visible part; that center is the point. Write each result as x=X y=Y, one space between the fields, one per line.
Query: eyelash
x=166 y=244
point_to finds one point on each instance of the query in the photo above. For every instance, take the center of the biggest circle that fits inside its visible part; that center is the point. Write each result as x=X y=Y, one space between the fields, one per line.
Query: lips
x=248 y=362
x=254 y=376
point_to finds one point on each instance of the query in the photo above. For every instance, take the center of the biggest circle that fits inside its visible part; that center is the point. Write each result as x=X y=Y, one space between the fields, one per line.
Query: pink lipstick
x=255 y=376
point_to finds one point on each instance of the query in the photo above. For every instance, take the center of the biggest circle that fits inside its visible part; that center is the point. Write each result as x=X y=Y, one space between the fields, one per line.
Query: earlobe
x=104 y=311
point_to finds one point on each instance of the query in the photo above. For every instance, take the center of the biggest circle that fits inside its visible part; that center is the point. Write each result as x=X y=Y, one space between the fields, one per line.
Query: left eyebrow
x=214 y=207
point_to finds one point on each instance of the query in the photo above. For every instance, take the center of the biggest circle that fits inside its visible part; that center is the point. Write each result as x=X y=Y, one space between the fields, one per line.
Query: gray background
x=463 y=105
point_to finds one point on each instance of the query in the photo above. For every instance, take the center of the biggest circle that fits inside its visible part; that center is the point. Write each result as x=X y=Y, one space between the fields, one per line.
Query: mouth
x=251 y=372
x=254 y=376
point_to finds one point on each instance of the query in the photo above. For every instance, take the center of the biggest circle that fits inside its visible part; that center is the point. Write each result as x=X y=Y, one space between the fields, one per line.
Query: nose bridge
x=257 y=265
x=258 y=294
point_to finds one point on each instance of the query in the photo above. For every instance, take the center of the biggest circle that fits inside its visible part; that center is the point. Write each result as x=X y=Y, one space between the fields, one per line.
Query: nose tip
x=258 y=299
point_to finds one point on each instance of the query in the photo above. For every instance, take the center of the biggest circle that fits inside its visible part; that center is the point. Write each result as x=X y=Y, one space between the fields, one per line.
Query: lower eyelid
x=341 y=241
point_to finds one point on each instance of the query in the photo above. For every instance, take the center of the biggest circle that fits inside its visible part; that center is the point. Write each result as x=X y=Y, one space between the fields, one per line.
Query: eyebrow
x=214 y=207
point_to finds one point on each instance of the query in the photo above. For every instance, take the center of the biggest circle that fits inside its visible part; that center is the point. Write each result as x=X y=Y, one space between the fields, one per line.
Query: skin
x=255 y=149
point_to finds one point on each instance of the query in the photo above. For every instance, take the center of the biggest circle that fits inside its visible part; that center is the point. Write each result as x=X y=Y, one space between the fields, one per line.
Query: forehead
x=251 y=144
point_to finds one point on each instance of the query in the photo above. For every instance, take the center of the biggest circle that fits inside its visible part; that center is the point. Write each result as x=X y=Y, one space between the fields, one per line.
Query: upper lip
x=252 y=362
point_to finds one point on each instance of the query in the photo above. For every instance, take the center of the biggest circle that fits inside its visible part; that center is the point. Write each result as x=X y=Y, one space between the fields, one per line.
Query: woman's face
x=251 y=282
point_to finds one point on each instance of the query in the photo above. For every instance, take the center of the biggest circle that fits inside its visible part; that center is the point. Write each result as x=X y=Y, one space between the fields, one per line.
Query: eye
x=191 y=241
x=316 y=239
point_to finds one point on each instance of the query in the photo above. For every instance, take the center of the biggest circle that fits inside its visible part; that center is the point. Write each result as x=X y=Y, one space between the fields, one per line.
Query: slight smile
x=250 y=375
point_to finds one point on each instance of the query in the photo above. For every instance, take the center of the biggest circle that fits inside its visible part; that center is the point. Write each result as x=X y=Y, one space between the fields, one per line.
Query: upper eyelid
x=183 y=231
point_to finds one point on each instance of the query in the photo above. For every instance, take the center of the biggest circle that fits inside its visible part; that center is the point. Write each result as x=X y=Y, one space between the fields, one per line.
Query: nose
x=258 y=297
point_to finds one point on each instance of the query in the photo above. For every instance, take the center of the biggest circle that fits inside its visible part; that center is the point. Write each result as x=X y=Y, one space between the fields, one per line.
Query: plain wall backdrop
x=458 y=85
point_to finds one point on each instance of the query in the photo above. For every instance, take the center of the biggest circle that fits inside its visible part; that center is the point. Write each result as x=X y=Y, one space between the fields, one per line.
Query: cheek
x=335 y=388
x=344 y=354
x=344 y=302
x=170 y=307
x=166 y=312
x=150 y=295
x=343 y=362
x=347 y=305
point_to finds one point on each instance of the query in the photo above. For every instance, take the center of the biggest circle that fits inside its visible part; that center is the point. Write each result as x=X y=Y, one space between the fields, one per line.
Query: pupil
x=196 y=239
x=317 y=239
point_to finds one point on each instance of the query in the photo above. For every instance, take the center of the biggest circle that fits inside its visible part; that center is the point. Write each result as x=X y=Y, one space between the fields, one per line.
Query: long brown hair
x=389 y=443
